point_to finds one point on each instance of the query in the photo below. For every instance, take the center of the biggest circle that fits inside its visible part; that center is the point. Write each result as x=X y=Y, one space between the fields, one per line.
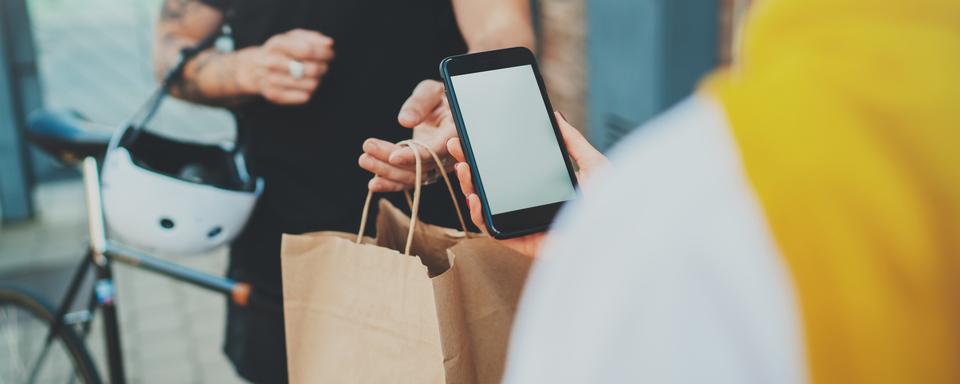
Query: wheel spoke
x=27 y=355
x=15 y=367
x=38 y=362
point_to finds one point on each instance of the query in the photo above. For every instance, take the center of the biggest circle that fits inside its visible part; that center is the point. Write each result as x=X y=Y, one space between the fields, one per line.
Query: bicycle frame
x=103 y=252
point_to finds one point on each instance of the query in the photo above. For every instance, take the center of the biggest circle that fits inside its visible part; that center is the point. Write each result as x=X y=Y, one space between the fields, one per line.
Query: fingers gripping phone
x=511 y=140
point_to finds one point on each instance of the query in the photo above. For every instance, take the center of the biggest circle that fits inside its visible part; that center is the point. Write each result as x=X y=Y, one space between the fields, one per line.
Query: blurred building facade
x=562 y=33
x=563 y=38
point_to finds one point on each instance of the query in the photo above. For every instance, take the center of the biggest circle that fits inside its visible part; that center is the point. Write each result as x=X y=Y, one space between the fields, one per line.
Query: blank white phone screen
x=516 y=151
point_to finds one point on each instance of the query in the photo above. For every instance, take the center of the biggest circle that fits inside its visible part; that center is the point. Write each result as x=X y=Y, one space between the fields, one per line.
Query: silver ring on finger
x=295 y=68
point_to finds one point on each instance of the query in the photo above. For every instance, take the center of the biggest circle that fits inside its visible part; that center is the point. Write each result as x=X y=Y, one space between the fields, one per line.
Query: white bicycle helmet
x=170 y=196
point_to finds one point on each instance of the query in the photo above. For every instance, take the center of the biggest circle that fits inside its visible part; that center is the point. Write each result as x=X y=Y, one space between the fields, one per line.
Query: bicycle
x=24 y=317
x=69 y=329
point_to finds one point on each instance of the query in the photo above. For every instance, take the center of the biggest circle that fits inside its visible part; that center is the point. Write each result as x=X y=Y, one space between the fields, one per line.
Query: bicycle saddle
x=67 y=135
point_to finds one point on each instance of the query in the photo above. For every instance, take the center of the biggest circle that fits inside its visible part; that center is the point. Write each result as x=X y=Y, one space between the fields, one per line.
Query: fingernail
x=562 y=116
x=408 y=117
x=369 y=144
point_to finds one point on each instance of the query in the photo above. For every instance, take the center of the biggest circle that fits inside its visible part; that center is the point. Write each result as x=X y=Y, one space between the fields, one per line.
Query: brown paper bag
x=476 y=297
x=368 y=311
x=476 y=300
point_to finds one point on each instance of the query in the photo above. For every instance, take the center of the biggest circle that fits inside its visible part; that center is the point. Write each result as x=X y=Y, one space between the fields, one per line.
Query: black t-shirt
x=308 y=154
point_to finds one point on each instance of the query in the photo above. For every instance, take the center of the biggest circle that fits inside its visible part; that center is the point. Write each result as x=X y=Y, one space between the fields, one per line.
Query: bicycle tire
x=41 y=310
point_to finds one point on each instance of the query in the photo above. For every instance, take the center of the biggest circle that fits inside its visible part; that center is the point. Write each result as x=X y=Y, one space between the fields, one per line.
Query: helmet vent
x=214 y=232
x=166 y=223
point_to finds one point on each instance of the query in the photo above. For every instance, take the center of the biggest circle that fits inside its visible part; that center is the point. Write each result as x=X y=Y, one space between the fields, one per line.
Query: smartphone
x=511 y=140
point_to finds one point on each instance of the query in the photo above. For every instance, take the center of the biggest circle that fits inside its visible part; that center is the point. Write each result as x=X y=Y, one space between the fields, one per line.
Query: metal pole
x=169 y=269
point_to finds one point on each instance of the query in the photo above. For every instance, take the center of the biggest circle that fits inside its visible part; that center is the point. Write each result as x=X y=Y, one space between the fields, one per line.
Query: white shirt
x=665 y=272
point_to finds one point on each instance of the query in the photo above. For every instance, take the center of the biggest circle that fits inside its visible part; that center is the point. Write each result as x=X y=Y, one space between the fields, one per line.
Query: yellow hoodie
x=847 y=117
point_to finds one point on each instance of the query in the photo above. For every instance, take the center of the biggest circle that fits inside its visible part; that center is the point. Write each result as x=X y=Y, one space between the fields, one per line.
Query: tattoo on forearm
x=177 y=10
x=172 y=15
x=210 y=75
x=189 y=87
x=207 y=65
x=169 y=47
x=173 y=9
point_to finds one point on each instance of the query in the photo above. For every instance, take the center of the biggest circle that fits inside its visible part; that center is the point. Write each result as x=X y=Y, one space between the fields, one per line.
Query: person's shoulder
x=689 y=136
x=675 y=193
x=672 y=230
x=685 y=160
x=676 y=181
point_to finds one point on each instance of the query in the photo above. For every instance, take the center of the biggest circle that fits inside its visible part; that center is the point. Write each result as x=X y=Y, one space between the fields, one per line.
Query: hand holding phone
x=588 y=161
x=510 y=138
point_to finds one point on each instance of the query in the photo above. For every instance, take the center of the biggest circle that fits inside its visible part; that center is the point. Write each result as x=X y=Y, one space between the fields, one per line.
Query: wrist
x=502 y=33
x=247 y=75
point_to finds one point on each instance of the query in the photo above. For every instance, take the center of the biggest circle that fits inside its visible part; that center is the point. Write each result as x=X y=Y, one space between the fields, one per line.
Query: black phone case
x=517 y=56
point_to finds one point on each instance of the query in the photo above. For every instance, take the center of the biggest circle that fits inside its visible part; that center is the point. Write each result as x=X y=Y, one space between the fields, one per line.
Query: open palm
x=393 y=166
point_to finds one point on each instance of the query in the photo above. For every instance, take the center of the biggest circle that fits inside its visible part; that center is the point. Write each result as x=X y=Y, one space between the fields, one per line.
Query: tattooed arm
x=229 y=78
x=206 y=78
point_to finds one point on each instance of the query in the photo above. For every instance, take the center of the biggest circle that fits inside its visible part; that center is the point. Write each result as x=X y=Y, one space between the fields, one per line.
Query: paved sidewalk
x=172 y=333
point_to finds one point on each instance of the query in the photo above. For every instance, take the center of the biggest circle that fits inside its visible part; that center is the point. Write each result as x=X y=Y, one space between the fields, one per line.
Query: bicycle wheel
x=25 y=321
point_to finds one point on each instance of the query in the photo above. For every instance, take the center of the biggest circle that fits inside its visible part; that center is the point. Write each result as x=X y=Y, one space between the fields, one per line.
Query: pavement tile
x=169 y=373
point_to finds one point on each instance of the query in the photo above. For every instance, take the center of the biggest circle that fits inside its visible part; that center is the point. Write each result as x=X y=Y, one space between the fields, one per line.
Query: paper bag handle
x=415 y=204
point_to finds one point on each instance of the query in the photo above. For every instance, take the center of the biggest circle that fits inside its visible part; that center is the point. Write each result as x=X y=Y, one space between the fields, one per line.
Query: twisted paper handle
x=415 y=202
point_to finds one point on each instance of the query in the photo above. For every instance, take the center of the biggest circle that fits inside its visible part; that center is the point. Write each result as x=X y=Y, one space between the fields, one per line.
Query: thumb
x=406 y=156
x=584 y=154
x=426 y=97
